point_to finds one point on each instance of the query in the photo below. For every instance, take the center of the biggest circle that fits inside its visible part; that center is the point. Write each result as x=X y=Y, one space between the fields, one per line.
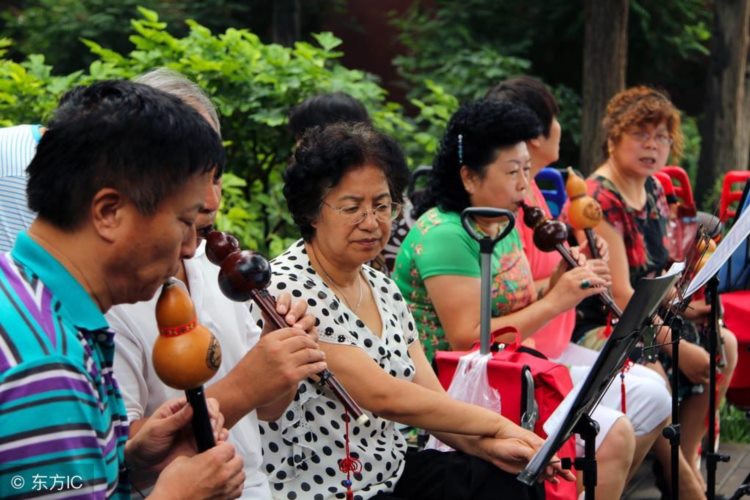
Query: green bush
x=443 y=48
x=450 y=49
x=253 y=85
x=735 y=427
x=692 y=149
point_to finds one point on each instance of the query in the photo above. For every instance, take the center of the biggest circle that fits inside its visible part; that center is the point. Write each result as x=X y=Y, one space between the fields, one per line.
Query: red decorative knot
x=175 y=331
x=350 y=464
x=623 y=393
x=605 y=332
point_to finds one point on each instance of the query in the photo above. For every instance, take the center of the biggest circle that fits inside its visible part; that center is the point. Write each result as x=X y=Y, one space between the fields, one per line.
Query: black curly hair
x=486 y=126
x=322 y=158
x=326 y=109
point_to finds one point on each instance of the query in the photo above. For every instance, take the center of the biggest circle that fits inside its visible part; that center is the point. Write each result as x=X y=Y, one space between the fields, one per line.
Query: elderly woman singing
x=343 y=187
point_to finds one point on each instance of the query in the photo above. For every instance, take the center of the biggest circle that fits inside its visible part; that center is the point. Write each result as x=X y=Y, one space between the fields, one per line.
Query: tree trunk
x=285 y=28
x=605 y=54
x=744 y=160
x=724 y=130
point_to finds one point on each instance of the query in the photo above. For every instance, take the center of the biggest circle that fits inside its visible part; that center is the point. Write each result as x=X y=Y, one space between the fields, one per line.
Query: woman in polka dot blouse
x=343 y=188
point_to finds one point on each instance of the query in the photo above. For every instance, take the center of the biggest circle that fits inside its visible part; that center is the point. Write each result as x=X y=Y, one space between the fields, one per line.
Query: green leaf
x=327 y=40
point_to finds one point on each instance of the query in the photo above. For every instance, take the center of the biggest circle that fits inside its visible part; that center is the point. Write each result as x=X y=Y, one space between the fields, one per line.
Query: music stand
x=733 y=275
x=573 y=414
x=709 y=275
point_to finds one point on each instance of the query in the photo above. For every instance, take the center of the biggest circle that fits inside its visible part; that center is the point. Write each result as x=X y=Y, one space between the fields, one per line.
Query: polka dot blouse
x=302 y=449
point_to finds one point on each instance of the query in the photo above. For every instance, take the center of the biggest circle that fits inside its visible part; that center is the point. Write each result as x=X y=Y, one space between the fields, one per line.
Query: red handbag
x=516 y=372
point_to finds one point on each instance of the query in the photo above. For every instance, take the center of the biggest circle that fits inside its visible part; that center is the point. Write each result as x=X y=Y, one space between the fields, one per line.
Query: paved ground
x=729 y=476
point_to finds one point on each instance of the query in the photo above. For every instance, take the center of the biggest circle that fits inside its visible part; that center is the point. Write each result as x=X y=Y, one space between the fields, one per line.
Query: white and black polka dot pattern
x=301 y=450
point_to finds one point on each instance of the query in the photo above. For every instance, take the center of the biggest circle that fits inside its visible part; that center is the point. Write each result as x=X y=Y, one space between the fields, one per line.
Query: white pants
x=648 y=402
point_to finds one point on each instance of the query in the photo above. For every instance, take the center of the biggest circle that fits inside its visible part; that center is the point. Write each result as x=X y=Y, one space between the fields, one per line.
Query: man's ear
x=534 y=143
x=108 y=209
x=468 y=179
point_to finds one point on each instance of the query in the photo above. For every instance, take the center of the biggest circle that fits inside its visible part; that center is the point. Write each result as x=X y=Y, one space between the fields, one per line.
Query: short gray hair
x=174 y=83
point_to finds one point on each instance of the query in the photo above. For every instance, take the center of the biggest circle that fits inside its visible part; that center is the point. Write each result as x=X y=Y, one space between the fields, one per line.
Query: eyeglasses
x=661 y=138
x=353 y=214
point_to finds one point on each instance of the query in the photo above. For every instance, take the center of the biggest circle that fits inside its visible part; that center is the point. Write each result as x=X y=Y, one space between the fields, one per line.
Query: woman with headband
x=645 y=398
x=484 y=161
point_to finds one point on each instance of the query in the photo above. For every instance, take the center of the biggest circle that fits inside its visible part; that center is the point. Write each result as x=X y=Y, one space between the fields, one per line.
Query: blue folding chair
x=552 y=186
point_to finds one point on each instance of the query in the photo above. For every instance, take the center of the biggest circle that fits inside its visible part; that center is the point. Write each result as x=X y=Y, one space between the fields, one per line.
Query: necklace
x=337 y=287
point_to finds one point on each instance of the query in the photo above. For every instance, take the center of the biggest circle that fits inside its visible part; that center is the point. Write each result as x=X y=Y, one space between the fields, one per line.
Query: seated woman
x=343 y=189
x=642 y=129
x=484 y=161
x=644 y=398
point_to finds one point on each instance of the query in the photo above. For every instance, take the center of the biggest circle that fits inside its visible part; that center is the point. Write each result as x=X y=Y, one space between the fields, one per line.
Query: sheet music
x=648 y=294
x=552 y=425
x=675 y=268
x=739 y=233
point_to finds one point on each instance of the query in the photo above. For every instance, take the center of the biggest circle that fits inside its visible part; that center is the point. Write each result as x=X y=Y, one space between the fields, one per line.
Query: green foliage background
x=253 y=85
x=467 y=46
x=456 y=50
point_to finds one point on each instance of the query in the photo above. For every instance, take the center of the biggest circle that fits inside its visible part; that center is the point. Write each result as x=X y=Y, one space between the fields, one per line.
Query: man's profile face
x=207 y=215
x=151 y=247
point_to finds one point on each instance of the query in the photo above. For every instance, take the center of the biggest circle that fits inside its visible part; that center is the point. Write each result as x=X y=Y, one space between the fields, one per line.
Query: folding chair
x=731 y=193
x=552 y=186
x=681 y=184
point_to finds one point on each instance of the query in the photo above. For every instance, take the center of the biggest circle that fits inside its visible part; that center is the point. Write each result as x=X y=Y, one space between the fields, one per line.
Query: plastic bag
x=470 y=385
x=681 y=231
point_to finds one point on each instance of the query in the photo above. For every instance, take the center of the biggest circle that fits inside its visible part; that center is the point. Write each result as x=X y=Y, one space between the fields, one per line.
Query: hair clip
x=460 y=149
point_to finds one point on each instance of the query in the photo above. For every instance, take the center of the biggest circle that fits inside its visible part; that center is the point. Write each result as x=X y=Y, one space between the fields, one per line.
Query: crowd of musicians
x=117 y=193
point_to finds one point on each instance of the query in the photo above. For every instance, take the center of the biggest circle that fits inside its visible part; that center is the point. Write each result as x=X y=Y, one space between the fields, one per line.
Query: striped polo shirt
x=17 y=148
x=63 y=425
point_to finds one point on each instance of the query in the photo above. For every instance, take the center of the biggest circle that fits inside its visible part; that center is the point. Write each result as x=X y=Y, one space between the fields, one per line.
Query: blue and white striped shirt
x=17 y=148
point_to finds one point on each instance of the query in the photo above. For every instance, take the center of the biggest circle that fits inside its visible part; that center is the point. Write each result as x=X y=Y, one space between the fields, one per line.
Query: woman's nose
x=370 y=220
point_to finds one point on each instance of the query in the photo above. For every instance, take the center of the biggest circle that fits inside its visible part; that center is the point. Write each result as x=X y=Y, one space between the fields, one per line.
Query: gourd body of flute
x=219 y=246
x=244 y=275
x=241 y=273
x=550 y=234
x=584 y=211
x=186 y=354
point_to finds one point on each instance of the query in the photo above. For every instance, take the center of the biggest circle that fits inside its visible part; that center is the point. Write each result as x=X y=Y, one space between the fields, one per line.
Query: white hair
x=174 y=83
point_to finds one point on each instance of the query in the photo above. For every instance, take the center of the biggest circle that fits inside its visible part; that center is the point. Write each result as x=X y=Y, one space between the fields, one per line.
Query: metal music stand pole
x=587 y=428
x=672 y=432
x=712 y=458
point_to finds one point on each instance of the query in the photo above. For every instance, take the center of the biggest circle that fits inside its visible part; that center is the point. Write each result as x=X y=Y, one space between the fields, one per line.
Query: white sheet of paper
x=552 y=425
x=723 y=252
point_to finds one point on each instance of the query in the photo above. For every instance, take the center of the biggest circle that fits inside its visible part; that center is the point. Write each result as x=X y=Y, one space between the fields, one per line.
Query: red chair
x=681 y=183
x=730 y=195
x=666 y=183
x=736 y=309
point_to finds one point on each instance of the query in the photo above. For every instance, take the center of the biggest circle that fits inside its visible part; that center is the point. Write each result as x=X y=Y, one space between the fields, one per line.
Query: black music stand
x=576 y=409
x=709 y=275
x=734 y=275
